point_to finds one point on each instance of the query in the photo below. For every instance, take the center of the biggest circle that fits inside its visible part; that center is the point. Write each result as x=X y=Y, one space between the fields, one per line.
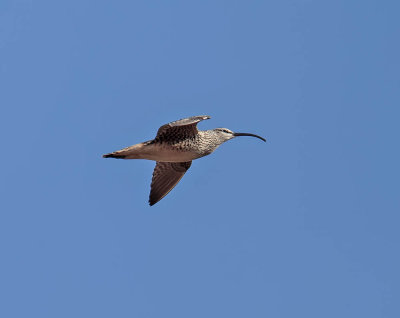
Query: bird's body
x=171 y=150
x=174 y=148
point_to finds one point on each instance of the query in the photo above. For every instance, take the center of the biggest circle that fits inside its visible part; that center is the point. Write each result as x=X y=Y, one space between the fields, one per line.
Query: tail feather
x=132 y=152
x=114 y=155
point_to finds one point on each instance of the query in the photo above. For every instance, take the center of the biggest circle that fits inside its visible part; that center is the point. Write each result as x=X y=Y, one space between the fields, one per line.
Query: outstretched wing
x=166 y=176
x=183 y=128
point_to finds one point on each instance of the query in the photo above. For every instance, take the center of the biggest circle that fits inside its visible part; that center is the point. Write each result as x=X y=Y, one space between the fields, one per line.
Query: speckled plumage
x=175 y=146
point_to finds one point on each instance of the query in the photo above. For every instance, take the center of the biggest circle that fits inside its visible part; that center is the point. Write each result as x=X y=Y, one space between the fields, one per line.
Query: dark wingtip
x=153 y=200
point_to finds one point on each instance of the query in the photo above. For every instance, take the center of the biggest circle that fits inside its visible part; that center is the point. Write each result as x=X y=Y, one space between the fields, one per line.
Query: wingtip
x=202 y=117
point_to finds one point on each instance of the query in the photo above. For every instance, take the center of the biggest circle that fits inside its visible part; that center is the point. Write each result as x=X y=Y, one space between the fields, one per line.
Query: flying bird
x=175 y=146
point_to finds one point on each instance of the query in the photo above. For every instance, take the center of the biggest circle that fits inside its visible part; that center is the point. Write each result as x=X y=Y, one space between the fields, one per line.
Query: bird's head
x=226 y=134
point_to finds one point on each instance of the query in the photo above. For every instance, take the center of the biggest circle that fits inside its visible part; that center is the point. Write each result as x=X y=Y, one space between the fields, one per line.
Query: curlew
x=175 y=146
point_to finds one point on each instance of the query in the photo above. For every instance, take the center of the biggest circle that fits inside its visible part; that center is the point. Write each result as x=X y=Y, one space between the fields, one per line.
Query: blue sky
x=305 y=225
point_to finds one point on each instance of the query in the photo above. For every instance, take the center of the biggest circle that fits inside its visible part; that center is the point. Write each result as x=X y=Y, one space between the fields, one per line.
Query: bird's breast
x=170 y=153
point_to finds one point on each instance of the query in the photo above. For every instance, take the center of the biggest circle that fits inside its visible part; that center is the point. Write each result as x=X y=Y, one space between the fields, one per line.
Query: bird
x=174 y=148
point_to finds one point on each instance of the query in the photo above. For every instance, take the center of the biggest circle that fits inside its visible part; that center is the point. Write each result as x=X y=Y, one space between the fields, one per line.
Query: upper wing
x=182 y=128
x=166 y=176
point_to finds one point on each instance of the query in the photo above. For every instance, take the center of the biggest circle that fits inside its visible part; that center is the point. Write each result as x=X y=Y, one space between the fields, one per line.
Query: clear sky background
x=305 y=225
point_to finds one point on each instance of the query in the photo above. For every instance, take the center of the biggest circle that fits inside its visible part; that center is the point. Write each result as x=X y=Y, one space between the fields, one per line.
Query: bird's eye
x=224 y=130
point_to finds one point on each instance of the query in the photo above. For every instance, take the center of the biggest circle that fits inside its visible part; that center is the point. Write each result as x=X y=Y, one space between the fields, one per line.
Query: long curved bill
x=252 y=135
